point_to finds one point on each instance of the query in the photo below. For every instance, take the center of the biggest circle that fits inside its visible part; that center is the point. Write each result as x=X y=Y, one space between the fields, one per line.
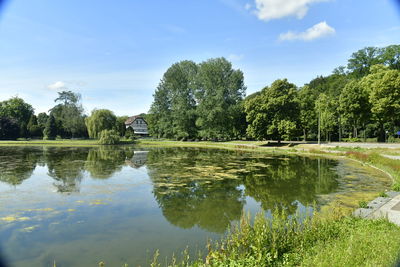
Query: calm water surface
x=79 y=206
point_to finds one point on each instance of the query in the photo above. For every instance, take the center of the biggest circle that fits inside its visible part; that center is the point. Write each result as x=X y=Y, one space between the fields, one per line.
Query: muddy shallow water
x=79 y=206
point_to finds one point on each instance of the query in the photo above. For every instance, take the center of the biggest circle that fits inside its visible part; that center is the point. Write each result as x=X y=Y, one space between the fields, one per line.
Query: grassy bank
x=319 y=240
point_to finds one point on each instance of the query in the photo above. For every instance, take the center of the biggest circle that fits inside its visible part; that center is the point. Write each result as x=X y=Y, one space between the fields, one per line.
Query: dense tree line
x=206 y=101
x=65 y=120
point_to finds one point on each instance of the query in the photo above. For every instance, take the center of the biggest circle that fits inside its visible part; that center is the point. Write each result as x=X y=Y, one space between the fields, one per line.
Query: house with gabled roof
x=138 y=124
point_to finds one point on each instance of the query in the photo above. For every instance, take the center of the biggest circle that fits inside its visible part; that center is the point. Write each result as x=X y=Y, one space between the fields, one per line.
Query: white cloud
x=275 y=9
x=57 y=85
x=317 y=31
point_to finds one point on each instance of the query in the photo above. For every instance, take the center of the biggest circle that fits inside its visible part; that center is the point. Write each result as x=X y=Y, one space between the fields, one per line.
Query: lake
x=79 y=206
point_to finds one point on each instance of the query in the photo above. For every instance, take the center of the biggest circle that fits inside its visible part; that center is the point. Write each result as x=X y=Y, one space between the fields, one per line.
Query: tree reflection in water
x=208 y=188
x=193 y=187
x=17 y=165
x=65 y=166
x=102 y=162
x=286 y=181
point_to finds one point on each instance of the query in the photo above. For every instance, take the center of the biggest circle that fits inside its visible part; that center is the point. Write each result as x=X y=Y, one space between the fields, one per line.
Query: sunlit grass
x=323 y=239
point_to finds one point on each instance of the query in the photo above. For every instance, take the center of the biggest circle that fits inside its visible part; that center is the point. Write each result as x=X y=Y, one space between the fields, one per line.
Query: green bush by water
x=109 y=137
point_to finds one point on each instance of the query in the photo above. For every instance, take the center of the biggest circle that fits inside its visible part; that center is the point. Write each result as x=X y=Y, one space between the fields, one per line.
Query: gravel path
x=363 y=145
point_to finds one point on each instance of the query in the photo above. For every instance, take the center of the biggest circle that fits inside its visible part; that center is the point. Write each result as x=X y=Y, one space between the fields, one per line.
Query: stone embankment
x=382 y=207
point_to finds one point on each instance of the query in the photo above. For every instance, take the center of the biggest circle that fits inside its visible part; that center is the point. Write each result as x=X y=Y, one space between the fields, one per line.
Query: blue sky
x=114 y=53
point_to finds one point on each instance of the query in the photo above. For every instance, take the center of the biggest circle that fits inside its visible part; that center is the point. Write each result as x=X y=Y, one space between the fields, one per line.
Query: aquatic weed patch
x=391 y=166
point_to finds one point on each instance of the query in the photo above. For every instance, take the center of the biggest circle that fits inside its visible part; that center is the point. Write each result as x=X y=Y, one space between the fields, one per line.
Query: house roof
x=130 y=120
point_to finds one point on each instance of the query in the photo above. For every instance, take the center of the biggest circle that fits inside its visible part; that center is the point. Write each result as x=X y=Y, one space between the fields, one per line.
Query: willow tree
x=99 y=120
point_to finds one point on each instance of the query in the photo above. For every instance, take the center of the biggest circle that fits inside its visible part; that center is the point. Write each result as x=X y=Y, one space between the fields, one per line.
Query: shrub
x=363 y=204
x=109 y=137
x=130 y=134
x=393 y=139
x=9 y=128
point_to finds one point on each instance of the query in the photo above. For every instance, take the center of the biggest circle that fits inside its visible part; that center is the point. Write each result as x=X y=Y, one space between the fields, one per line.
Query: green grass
x=318 y=240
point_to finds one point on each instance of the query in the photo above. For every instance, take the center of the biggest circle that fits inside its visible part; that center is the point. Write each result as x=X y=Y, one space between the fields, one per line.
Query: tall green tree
x=219 y=91
x=120 y=126
x=383 y=85
x=274 y=112
x=50 y=131
x=361 y=61
x=173 y=112
x=180 y=82
x=33 y=127
x=17 y=109
x=355 y=106
x=160 y=119
x=99 y=120
x=326 y=110
x=391 y=56
x=69 y=114
x=331 y=86
x=307 y=117
x=9 y=128
x=42 y=120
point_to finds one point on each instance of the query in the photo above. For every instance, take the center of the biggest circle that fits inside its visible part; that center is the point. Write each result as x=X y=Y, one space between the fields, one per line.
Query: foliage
x=109 y=137
x=307 y=117
x=69 y=115
x=362 y=60
x=50 y=131
x=327 y=112
x=355 y=106
x=33 y=127
x=198 y=101
x=220 y=89
x=42 y=120
x=383 y=85
x=391 y=56
x=99 y=120
x=273 y=113
x=18 y=110
x=173 y=111
x=120 y=126
x=9 y=128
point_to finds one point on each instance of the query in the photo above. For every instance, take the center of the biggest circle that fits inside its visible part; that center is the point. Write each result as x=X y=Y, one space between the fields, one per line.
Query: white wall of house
x=139 y=126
